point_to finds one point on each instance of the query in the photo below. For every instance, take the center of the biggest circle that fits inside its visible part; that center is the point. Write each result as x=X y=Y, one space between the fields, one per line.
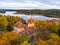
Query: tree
x=9 y=27
x=20 y=19
x=25 y=43
x=52 y=26
x=22 y=39
x=41 y=42
x=8 y=38
x=51 y=41
x=55 y=38
x=1 y=28
x=43 y=34
x=3 y=22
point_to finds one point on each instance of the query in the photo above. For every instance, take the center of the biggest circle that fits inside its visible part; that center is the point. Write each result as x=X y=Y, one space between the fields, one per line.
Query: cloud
x=30 y=4
x=15 y=4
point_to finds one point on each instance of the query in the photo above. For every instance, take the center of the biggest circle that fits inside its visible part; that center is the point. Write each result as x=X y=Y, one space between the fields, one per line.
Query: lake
x=26 y=17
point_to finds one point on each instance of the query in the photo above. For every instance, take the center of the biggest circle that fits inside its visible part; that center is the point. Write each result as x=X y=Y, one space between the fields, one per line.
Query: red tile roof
x=19 y=24
x=30 y=21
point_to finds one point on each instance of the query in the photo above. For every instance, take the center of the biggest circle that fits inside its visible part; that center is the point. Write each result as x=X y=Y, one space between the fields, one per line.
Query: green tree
x=9 y=27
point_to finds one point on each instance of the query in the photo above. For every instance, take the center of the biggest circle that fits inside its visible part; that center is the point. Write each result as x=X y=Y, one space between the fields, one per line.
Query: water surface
x=26 y=17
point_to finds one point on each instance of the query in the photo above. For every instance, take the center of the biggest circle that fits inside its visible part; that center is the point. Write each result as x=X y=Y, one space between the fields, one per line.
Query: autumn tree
x=8 y=38
x=3 y=22
x=55 y=38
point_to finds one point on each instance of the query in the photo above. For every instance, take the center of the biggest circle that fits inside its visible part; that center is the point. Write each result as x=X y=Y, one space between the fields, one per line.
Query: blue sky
x=29 y=4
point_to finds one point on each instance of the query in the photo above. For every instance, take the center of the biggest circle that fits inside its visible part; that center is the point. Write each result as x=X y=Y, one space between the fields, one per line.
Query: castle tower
x=31 y=22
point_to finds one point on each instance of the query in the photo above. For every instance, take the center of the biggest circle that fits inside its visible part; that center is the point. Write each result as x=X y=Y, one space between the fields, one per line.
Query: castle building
x=18 y=27
x=27 y=29
x=31 y=23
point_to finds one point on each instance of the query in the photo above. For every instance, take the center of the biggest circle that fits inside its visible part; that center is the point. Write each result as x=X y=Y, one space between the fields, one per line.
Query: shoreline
x=53 y=16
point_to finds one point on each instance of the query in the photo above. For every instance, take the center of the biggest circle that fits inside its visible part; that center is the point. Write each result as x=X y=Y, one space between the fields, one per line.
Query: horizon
x=30 y=4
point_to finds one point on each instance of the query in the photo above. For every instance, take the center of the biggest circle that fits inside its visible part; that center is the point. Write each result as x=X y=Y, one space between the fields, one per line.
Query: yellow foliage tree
x=8 y=38
x=3 y=22
x=25 y=43
x=41 y=42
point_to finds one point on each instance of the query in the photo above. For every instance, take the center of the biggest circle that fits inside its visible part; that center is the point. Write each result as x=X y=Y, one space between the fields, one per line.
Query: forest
x=46 y=12
x=48 y=32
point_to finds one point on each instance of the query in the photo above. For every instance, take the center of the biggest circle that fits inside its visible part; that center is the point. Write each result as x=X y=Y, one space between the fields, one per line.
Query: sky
x=29 y=4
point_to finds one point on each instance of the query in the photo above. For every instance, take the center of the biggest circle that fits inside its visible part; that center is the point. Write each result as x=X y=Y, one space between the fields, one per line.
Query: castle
x=25 y=28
